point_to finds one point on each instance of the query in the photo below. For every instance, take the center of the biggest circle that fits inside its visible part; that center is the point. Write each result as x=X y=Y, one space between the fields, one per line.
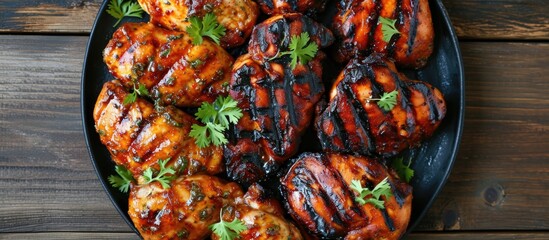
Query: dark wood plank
x=69 y=236
x=480 y=235
x=503 y=19
x=49 y=16
x=473 y=19
x=501 y=176
x=47 y=182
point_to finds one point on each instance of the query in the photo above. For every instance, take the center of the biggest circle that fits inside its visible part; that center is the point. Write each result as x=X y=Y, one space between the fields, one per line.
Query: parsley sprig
x=388 y=28
x=216 y=117
x=205 y=27
x=372 y=196
x=164 y=176
x=228 y=230
x=403 y=170
x=301 y=49
x=123 y=180
x=132 y=97
x=120 y=9
x=387 y=101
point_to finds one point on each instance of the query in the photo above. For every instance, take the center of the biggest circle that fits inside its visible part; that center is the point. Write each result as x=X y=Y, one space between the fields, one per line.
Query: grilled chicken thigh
x=137 y=135
x=278 y=102
x=319 y=195
x=183 y=211
x=263 y=217
x=167 y=63
x=237 y=16
x=359 y=31
x=309 y=7
x=353 y=123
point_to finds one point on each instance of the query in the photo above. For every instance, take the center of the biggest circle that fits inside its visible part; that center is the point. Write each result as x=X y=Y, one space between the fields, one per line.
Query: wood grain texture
x=49 y=16
x=46 y=178
x=502 y=19
x=473 y=19
x=481 y=236
x=47 y=183
x=501 y=176
x=69 y=236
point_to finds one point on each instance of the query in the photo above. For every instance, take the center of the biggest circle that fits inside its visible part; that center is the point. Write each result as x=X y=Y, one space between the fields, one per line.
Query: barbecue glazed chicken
x=319 y=195
x=277 y=101
x=263 y=217
x=237 y=16
x=183 y=211
x=309 y=7
x=353 y=123
x=167 y=63
x=138 y=136
x=358 y=28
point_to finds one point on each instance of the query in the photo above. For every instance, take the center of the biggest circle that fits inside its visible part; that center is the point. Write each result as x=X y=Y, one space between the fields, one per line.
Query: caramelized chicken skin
x=359 y=32
x=318 y=194
x=137 y=135
x=354 y=124
x=309 y=7
x=237 y=16
x=168 y=64
x=278 y=102
x=263 y=217
x=183 y=211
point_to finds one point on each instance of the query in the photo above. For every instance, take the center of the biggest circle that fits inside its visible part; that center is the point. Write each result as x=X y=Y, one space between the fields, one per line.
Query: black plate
x=432 y=161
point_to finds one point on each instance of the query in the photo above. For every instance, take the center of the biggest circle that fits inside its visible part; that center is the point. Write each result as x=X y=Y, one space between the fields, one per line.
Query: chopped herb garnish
x=123 y=180
x=120 y=9
x=372 y=196
x=387 y=101
x=301 y=50
x=164 y=176
x=388 y=28
x=205 y=27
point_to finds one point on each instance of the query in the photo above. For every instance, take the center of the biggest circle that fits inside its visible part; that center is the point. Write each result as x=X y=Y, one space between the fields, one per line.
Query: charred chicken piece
x=309 y=7
x=358 y=28
x=167 y=63
x=353 y=123
x=263 y=217
x=277 y=101
x=183 y=211
x=138 y=136
x=237 y=16
x=318 y=192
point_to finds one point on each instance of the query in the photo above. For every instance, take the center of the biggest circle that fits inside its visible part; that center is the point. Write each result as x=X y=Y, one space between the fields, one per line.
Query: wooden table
x=498 y=188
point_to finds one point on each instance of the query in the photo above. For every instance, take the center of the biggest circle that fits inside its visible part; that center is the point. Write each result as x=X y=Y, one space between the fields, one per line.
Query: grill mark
x=374 y=16
x=377 y=89
x=288 y=89
x=413 y=26
x=339 y=128
x=434 y=114
x=361 y=116
x=404 y=103
x=400 y=19
x=398 y=194
x=305 y=187
x=388 y=220
x=277 y=130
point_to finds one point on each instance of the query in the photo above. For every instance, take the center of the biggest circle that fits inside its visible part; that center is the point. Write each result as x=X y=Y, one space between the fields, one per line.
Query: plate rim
x=455 y=147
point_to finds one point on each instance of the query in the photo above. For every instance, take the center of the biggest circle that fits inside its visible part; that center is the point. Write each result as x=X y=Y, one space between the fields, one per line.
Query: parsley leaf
x=300 y=50
x=388 y=28
x=404 y=171
x=228 y=230
x=382 y=188
x=217 y=117
x=205 y=27
x=162 y=176
x=387 y=101
x=123 y=180
x=132 y=97
x=120 y=9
